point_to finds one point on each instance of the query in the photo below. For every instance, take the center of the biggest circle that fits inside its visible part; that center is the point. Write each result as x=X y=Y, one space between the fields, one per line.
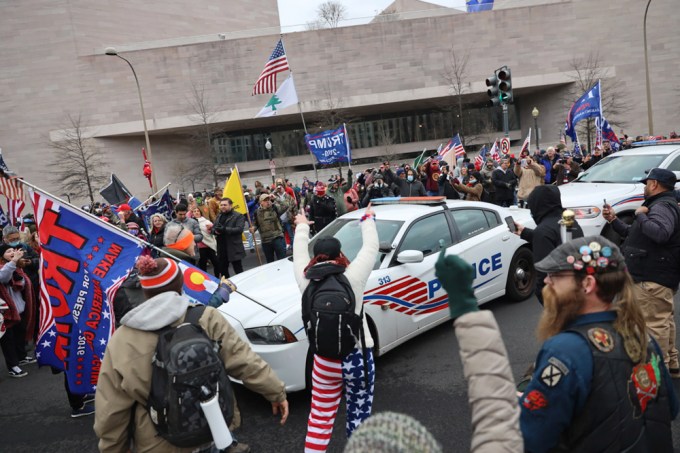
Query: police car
x=616 y=179
x=403 y=297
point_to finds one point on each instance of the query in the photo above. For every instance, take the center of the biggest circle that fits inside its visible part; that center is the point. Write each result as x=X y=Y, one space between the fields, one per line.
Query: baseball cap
x=665 y=177
x=124 y=207
x=264 y=197
x=590 y=255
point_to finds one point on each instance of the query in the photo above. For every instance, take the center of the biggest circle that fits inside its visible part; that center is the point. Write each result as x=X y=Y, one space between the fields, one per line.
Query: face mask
x=14 y=244
x=409 y=178
x=473 y=181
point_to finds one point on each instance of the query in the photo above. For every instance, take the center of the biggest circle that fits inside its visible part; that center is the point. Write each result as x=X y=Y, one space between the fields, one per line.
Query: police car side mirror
x=410 y=256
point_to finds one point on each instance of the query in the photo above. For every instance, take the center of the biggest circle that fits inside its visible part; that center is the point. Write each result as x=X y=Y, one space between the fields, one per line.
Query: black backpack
x=328 y=312
x=186 y=359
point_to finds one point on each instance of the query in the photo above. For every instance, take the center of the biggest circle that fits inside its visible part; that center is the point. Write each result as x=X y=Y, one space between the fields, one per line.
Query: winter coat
x=352 y=199
x=357 y=272
x=529 y=177
x=403 y=188
x=564 y=176
x=339 y=198
x=125 y=375
x=268 y=222
x=206 y=228
x=322 y=211
x=156 y=237
x=377 y=192
x=491 y=387
x=505 y=182
x=488 y=185
x=472 y=193
x=546 y=209
x=193 y=226
x=228 y=230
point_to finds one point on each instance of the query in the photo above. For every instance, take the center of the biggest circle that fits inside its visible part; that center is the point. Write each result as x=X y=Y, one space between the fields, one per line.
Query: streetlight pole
x=650 y=120
x=272 y=166
x=535 y=114
x=113 y=52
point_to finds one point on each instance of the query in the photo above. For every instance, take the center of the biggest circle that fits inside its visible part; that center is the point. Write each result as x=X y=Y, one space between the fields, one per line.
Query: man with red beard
x=600 y=383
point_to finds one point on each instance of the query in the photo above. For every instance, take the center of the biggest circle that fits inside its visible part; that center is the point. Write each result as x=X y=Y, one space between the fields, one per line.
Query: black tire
x=522 y=276
x=609 y=233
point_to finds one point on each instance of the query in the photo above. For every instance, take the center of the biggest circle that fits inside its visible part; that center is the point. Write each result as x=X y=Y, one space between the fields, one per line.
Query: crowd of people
x=601 y=305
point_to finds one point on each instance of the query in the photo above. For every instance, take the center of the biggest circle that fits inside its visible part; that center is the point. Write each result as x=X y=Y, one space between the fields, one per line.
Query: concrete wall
x=48 y=70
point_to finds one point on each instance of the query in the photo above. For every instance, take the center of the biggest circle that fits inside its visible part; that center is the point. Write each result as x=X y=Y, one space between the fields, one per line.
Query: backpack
x=328 y=312
x=185 y=360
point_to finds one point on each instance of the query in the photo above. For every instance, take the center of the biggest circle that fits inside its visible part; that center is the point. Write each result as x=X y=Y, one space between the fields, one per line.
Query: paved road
x=422 y=378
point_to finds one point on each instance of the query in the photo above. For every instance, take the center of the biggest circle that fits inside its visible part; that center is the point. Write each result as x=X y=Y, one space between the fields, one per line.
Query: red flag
x=146 y=170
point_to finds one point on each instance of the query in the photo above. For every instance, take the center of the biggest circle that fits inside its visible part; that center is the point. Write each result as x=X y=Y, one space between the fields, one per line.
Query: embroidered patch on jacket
x=551 y=375
x=646 y=378
x=534 y=400
x=559 y=364
x=601 y=339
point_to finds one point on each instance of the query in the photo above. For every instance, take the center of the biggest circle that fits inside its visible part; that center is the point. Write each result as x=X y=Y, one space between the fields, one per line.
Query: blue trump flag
x=83 y=262
x=589 y=105
x=330 y=146
x=475 y=6
x=162 y=206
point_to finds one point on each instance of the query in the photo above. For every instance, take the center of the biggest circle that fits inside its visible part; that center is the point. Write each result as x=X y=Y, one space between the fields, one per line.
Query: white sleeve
x=301 y=255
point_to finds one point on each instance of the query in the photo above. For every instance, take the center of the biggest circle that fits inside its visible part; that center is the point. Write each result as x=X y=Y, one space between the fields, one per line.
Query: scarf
x=341 y=260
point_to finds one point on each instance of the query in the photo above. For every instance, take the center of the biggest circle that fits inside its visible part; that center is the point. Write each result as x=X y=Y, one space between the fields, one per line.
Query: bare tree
x=314 y=25
x=205 y=163
x=78 y=169
x=331 y=13
x=456 y=74
x=588 y=70
x=386 y=140
x=330 y=112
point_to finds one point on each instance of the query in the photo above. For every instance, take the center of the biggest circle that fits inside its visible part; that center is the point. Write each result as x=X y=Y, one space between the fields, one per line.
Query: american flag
x=526 y=146
x=14 y=210
x=278 y=62
x=458 y=146
x=495 y=155
x=10 y=185
x=481 y=157
x=445 y=150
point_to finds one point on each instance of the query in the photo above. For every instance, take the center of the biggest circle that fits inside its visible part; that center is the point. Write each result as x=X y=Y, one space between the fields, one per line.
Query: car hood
x=263 y=294
x=577 y=194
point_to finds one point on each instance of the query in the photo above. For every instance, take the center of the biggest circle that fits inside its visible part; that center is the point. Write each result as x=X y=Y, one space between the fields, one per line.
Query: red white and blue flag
x=458 y=146
x=495 y=155
x=481 y=157
x=14 y=210
x=278 y=62
x=83 y=262
x=526 y=146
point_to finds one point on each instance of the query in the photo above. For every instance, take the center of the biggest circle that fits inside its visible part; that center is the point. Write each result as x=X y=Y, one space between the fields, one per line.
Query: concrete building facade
x=54 y=64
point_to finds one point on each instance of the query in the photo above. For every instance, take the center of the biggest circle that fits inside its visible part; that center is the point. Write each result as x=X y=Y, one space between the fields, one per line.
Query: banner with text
x=330 y=146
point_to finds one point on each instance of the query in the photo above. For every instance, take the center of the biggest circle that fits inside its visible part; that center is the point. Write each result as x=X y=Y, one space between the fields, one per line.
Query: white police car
x=403 y=297
x=616 y=179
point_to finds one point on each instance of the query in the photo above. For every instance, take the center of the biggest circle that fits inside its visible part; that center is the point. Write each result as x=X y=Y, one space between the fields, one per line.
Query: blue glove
x=456 y=277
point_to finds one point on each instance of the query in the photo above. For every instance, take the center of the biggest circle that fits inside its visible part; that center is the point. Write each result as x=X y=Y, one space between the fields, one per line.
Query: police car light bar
x=670 y=141
x=408 y=200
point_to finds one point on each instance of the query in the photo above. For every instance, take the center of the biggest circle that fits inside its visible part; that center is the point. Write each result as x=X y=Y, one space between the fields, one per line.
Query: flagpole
x=152 y=195
x=304 y=125
x=349 y=149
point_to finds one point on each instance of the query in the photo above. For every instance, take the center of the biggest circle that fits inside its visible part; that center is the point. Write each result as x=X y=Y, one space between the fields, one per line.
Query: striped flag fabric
x=526 y=146
x=14 y=210
x=442 y=152
x=278 y=62
x=458 y=146
x=10 y=184
x=495 y=155
x=481 y=157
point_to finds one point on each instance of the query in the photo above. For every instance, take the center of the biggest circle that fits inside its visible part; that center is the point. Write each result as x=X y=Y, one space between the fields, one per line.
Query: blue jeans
x=288 y=228
x=276 y=247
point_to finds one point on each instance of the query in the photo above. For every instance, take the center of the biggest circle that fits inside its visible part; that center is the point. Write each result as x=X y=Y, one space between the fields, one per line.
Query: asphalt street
x=422 y=378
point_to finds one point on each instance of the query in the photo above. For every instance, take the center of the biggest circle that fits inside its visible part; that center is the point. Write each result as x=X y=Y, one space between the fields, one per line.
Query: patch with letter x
x=552 y=374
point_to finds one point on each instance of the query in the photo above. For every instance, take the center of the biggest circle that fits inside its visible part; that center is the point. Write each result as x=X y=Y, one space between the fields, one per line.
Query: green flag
x=284 y=97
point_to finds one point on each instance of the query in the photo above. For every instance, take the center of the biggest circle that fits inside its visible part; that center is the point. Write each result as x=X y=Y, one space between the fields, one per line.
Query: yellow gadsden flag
x=234 y=191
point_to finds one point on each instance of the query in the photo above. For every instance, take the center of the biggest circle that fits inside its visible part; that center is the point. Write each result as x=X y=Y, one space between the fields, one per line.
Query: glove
x=456 y=277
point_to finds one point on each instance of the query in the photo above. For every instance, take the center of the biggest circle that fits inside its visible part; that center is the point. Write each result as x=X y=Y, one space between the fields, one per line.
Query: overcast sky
x=299 y=12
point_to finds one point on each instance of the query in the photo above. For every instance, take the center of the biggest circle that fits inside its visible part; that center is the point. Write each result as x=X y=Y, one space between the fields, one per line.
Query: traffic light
x=505 y=84
x=493 y=92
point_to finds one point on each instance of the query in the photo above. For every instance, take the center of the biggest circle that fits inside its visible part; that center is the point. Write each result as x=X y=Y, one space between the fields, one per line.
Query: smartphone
x=511 y=223
x=523 y=162
x=605 y=202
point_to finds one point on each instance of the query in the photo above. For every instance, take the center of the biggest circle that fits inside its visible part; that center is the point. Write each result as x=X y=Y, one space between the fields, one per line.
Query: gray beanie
x=391 y=432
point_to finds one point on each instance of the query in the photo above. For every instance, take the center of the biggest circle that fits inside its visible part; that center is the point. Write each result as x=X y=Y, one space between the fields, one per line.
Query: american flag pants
x=329 y=378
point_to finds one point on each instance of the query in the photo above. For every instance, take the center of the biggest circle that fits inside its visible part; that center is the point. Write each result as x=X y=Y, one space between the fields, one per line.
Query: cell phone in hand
x=511 y=224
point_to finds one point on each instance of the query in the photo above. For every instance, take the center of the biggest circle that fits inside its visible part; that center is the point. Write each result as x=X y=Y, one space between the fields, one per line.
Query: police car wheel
x=522 y=276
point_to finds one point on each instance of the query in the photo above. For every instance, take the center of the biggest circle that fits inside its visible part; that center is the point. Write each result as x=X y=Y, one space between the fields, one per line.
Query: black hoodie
x=546 y=208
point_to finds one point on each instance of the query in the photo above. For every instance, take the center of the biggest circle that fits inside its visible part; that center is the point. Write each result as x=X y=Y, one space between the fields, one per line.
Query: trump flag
x=83 y=262
x=589 y=105
x=330 y=146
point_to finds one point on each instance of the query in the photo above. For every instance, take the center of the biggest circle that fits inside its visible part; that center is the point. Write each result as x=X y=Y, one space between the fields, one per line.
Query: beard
x=558 y=311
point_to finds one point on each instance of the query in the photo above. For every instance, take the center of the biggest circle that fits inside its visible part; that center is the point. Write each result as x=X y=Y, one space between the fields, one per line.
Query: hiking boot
x=238 y=447
x=27 y=360
x=87 y=409
x=17 y=372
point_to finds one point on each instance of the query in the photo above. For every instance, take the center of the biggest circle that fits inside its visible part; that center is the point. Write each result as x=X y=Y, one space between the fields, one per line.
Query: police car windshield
x=348 y=231
x=622 y=169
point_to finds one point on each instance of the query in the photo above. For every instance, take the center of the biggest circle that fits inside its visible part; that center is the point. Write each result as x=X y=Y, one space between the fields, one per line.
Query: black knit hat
x=3 y=248
x=329 y=246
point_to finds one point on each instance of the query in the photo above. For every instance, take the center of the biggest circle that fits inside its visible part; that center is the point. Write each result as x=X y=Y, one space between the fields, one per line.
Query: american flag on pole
x=458 y=146
x=481 y=157
x=10 y=184
x=526 y=146
x=442 y=152
x=14 y=210
x=278 y=62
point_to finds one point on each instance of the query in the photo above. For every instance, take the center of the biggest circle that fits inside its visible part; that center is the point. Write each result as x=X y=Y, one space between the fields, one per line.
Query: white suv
x=616 y=179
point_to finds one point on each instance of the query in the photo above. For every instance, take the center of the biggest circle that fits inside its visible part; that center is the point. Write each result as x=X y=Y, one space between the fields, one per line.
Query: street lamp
x=535 y=113
x=113 y=52
x=650 y=121
x=272 y=165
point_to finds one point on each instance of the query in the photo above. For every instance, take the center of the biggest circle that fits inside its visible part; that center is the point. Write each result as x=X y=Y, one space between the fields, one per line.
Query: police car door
x=420 y=301
x=481 y=239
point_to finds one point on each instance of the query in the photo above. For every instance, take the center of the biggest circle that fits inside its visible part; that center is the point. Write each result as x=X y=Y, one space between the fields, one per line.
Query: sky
x=295 y=14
